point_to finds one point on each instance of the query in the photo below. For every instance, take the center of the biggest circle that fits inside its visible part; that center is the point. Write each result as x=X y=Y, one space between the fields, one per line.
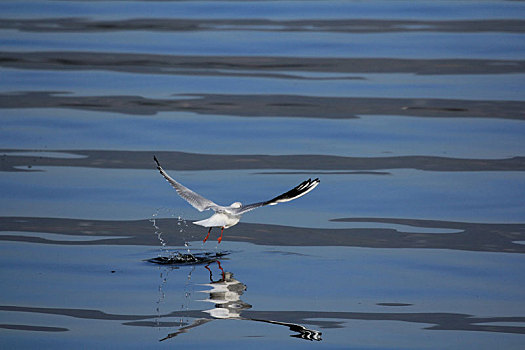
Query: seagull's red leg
x=222 y=271
x=220 y=238
x=208 y=235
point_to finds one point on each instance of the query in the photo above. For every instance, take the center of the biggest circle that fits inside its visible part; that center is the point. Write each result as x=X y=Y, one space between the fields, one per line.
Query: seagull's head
x=236 y=205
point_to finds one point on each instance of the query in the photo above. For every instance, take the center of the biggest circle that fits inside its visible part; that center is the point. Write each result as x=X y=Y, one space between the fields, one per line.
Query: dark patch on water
x=277 y=106
x=298 y=162
x=368 y=25
x=432 y=320
x=284 y=253
x=276 y=67
x=445 y=109
x=155 y=324
x=31 y=328
x=471 y=236
x=324 y=173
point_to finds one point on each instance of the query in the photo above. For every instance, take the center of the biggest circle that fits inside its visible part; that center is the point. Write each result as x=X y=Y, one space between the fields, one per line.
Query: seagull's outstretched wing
x=196 y=200
x=296 y=192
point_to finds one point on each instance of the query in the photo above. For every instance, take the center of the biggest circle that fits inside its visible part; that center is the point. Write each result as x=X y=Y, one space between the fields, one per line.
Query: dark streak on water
x=470 y=236
x=264 y=66
x=30 y=328
x=311 y=25
x=270 y=105
x=196 y=161
x=438 y=321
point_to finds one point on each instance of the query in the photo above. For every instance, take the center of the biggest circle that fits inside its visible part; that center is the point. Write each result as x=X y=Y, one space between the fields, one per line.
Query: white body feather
x=219 y=220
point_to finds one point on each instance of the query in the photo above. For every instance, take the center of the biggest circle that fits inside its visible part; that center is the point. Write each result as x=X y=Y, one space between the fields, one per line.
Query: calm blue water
x=411 y=114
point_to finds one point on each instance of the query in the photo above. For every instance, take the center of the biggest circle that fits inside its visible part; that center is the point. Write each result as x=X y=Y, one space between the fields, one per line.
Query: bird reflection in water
x=225 y=294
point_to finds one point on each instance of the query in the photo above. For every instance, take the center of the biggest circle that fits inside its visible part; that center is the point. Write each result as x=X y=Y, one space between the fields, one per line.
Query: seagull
x=228 y=216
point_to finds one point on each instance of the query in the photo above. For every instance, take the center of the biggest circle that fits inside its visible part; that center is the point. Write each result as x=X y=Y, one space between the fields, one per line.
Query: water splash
x=158 y=232
x=165 y=257
x=182 y=228
x=178 y=258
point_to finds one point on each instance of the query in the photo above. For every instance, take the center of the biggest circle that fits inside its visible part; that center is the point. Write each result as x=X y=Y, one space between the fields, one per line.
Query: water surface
x=411 y=114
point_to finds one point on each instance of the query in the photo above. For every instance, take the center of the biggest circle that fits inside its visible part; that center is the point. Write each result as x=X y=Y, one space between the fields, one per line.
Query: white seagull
x=228 y=216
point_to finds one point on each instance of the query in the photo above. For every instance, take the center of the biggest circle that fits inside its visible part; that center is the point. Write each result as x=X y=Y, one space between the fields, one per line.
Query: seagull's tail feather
x=213 y=221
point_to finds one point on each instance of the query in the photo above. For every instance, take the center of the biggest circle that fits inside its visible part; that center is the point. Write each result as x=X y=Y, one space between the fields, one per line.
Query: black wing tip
x=313 y=183
x=156 y=161
x=310 y=182
x=296 y=192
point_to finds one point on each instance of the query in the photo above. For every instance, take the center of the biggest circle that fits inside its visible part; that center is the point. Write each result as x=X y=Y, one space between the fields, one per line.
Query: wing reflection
x=303 y=332
x=225 y=295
